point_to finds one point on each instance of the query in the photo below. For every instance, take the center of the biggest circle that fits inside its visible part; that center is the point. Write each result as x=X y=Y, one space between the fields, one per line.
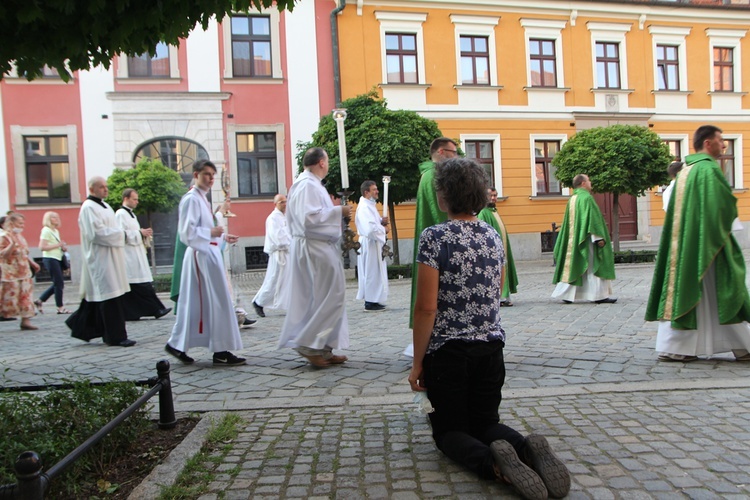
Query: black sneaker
x=542 y=459
x=179 y=354
x=374 y=306
x=249 y=322
x=259 y=310
x=226 y=358
x=514 y=471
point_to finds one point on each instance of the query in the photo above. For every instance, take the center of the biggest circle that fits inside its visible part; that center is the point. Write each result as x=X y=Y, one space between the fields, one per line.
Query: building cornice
x=168 y=96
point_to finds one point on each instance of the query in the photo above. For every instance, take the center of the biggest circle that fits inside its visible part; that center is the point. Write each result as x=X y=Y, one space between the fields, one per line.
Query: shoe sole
x=520 y=476
x=228 y=363
x=669 y=359
x=181 y=356
x=553 y=472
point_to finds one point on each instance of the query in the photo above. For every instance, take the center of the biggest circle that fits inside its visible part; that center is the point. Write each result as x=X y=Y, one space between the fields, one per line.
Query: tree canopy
x=78 y=35
x=619 y=159
x=159 y=187
x=379 y=142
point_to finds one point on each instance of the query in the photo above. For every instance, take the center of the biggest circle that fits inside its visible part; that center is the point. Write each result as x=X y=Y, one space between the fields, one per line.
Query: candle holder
x=347 y=241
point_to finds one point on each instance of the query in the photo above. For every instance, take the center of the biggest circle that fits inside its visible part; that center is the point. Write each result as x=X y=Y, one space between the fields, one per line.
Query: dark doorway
x=628 y=214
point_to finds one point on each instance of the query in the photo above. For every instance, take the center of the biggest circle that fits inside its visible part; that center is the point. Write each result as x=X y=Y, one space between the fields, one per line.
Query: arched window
x=175 y=152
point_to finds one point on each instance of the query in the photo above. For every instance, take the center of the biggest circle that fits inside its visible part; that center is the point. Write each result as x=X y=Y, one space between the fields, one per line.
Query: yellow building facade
x=513 y=80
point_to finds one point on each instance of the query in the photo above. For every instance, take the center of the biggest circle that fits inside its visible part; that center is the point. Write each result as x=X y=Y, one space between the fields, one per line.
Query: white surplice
x=137 y=267
x=316 y=313
x=271 y=294
x=205 y=313
x=371 y=266
x=592 y=288
x=103 y=273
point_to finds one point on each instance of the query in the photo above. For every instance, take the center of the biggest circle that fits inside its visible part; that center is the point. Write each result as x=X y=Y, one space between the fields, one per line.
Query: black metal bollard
x=31 y=482
x=167 y=418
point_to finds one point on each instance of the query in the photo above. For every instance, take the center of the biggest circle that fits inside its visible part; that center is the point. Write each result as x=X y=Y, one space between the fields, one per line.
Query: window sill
x=547 y=89
x=39 y=81
x=726 y=92
x=478 y=87
x=555 y=197
x=672 y=92
x=740 y=190
x=46 y=205
x=406 y=85
x=253 y=80
x=148 y=81
x=601 y=90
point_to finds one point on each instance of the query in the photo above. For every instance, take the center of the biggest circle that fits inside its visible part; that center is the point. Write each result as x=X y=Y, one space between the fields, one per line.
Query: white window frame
x=275 y=24
x=497 y=167
x=685 y=143
x=281 y=175
x=563 y=138
x=722 y=38
x=610 y=33
x=739 y=181
x=674 y=36
x=476 y=26
x=545 y=29
x=174 y=69
x=408 y=23
x=17 y=133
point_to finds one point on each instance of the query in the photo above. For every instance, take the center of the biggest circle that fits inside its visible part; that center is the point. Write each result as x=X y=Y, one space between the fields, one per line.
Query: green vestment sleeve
x=697 y=233
x=179 y=254
x=582 y=219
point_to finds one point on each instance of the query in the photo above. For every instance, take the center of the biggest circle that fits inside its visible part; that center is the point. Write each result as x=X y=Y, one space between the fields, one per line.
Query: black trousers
x=464 y=381
x=99 y=319
x=55 y=271
x=141 y=301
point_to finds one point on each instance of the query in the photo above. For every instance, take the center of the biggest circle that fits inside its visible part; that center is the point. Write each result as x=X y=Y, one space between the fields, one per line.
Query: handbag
x=65 y=261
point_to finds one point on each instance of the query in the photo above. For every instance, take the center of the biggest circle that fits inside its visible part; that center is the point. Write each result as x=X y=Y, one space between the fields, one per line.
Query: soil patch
x=130 y=469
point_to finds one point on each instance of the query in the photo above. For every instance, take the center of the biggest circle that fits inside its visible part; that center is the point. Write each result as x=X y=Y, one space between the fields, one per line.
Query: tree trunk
x=616 y=222
x=394 y=233
x=152 y=250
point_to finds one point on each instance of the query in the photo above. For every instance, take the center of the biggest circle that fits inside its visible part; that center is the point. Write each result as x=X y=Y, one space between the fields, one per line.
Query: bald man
x=104 y=279
x=271 y=293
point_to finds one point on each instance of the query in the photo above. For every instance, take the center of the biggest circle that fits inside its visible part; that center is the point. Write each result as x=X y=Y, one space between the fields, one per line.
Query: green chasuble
x=582 y=219
x=179 y=254
x=697 y=233
x=491 y=217
x=428 y=214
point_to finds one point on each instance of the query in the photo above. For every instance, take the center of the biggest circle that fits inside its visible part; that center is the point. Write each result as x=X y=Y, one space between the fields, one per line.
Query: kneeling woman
x=458 y=342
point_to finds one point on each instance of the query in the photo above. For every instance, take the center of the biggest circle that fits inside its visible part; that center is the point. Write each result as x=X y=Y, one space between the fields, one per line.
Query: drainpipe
x=335 y=49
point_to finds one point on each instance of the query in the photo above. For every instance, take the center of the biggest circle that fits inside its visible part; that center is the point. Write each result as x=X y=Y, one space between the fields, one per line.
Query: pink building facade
x=242 y=93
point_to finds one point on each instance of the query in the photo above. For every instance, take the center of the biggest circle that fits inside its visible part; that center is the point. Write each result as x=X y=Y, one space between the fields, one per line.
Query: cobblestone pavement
x=585 y=375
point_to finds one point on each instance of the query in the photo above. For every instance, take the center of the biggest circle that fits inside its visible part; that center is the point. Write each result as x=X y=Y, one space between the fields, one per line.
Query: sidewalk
x=586 y=376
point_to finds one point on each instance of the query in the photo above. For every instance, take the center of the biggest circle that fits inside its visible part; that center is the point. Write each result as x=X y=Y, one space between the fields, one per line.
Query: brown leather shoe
x=317 y=361
x=337 y=360
x=29 y=327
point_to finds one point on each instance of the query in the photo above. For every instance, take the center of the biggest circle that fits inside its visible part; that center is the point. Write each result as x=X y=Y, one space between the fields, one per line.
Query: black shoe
x=162 y=312
x=259 y=310
x=124 y=343
x=608 y=300
x=8 y=319
x=226 y=358
x=374 y=306
x=540 y=457
x=567 y=301
x=518 y=474
x=249 y=322
x=179 y=354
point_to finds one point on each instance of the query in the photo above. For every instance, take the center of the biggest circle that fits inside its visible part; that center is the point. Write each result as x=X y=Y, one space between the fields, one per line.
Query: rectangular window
x=668 y=67
x=401 y=58
x=475 y=60
x=607 y=65
x=546 y=182
x=727 y=162
x=145 y=66
x=723 y=69
x=675 y=148
x=542 y=61
x=251 y=46
x=256 y=164
x=481 y=152
x=47 y=169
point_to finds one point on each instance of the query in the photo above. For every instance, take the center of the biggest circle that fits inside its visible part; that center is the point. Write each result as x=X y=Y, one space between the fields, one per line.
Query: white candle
x=342 y=155
x=386 y=181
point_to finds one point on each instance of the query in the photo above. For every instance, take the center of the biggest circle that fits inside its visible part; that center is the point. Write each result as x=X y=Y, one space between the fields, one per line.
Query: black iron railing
x=32 y=483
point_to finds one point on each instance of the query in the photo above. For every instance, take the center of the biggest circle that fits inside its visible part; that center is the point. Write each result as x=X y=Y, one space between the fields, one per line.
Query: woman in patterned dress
x=458 y=342
x=16 y=287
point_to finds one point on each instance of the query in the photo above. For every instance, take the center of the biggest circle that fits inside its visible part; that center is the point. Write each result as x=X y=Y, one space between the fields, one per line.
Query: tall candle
x=386 y=181
x=342 y=155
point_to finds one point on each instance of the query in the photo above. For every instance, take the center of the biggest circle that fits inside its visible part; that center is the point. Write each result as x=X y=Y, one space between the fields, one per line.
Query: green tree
x=159 y=190
x=79 y=35
x=618 y=159
x=379 y=142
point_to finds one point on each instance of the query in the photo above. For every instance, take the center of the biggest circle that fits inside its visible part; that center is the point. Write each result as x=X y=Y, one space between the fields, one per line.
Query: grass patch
x=194 y=479
x=634 y=256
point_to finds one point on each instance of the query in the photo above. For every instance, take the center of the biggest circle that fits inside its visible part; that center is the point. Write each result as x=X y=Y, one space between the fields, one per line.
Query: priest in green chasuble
x=490 y=215
x=584 y=262
x=698 y=293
